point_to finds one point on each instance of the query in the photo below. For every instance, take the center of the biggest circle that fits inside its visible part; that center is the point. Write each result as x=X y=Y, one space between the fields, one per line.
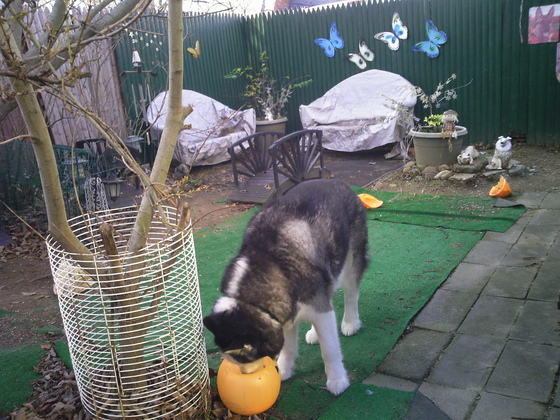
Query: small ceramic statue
x=449 y=119
x=467 y=156
x=502 y=154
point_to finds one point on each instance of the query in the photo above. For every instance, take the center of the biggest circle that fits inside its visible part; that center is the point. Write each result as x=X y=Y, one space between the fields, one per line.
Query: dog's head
x=244 y=332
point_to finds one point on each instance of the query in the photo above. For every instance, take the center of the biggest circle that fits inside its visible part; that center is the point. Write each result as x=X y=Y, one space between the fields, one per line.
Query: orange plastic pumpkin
x=249 y=394
x=502 y=189
x=370 y=202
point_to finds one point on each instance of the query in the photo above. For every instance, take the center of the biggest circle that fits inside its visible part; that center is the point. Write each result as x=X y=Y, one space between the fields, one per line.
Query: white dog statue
x=502 y=154
x=467 y=156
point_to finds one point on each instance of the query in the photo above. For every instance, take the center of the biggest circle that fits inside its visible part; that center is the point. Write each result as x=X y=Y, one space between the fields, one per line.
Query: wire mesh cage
x=134 y=320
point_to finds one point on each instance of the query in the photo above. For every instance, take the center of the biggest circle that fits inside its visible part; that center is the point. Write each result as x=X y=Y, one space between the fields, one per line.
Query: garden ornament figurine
x=449 y=119
x=502 y=154
x=467 y=156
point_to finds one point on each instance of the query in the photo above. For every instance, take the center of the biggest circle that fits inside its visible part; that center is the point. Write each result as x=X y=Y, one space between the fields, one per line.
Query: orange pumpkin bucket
x=501 y=189
x=369 y=201
x=249 y=394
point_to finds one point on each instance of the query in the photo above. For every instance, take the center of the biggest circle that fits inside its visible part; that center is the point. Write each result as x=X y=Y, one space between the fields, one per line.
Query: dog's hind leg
x=325 y=325
x=351 y=277
x=289 y=352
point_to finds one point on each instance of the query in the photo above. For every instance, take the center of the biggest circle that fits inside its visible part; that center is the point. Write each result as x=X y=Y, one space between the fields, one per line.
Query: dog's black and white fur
x=295 y=253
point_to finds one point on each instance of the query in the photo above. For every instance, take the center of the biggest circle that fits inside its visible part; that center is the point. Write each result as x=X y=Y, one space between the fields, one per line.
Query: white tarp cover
x=358 y=113
x=215 y=127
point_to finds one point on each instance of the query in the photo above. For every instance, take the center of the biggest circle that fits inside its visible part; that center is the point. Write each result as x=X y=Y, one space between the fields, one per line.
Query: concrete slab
x=554 y=414
x=537 y=323
x=492 y=316
x=545 y=217
x=551 y=201
x=546 y=284
x=488 y=253
x=539 y=235
x=470 y=278
x=522 y=255
x=386 y=381
x=525 y=370
x=422 y=408
x=454 y=402
x=531 y=200
x=511 y=282
x=445 y=311
x=492 y=406
x=414 y=354
x=467 y=362
x=510 y=236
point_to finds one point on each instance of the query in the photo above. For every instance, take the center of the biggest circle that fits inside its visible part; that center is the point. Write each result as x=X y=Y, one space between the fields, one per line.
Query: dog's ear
x=210 y=323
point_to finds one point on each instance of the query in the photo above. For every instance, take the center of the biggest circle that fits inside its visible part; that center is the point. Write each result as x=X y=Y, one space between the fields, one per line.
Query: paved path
x=487 y=345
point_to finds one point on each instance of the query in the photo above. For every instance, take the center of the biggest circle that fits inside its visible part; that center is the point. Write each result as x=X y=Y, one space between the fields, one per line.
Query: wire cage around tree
x=134 y=320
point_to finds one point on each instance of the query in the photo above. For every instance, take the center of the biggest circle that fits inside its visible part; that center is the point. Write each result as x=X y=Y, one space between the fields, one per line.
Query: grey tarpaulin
x=215 y=127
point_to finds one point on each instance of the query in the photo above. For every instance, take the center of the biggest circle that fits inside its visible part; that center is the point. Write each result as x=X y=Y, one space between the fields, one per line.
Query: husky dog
x=467 y=156
x=295 y=253
x=502 y=154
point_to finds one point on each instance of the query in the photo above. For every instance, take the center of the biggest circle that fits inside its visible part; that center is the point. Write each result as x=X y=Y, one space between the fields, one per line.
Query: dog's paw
x=337 y=386
x=311 y=336
x=286 y=371
x=350 y=328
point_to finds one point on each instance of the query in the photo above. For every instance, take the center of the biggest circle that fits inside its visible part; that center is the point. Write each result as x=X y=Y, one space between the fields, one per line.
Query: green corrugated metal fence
x=514 y=86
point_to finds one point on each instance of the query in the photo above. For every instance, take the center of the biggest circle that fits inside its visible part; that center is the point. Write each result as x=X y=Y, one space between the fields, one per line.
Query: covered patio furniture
x=363 y=112
x=214 y=128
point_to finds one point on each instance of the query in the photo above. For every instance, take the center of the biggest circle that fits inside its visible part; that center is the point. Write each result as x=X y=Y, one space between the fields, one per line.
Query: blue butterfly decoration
x=334 y=41
x=435 y=39
x=392 y=38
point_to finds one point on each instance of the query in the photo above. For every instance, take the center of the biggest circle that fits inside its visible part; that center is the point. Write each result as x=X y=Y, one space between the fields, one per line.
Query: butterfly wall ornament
x=435 y=39
x=334 y=42
x=365 y=54
x=195 y=52
x=392 y=38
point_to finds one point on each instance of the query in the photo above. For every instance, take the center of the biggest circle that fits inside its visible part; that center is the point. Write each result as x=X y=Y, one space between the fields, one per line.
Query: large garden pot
x=278 y=125
x=133 y=320
x=431 y=149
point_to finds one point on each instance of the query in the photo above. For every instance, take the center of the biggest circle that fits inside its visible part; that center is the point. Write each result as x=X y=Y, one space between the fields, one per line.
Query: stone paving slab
x=538 y=235
x=545 y=217
x=414 y=354
x=467 y=362
x=469 y=278
x=510 y=282
x=525 y=370
x=551 y=201
x=538 y=323
x=445 y=311
x=499 y=407
x=488 y=253
x=531 y=200
x=492 y=316
x=524 y=255
x=546 y=284
x=510 y=236
x=454 y=402
x=422 y=408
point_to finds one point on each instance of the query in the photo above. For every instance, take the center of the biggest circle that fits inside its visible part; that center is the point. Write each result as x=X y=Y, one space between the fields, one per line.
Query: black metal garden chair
x=273 y=165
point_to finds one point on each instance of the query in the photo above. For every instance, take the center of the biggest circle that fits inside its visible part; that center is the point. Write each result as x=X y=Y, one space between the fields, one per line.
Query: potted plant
x=267 y=95
x=439 y=141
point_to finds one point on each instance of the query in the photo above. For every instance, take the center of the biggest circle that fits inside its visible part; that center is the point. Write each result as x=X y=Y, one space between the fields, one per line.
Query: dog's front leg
x=289 y=352
x=325 y=325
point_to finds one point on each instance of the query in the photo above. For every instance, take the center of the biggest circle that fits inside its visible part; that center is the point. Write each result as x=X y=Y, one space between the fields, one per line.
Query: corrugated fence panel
x=513 y=88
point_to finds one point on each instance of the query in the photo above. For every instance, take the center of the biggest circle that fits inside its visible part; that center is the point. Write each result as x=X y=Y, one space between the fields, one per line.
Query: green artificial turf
x=16 y=372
